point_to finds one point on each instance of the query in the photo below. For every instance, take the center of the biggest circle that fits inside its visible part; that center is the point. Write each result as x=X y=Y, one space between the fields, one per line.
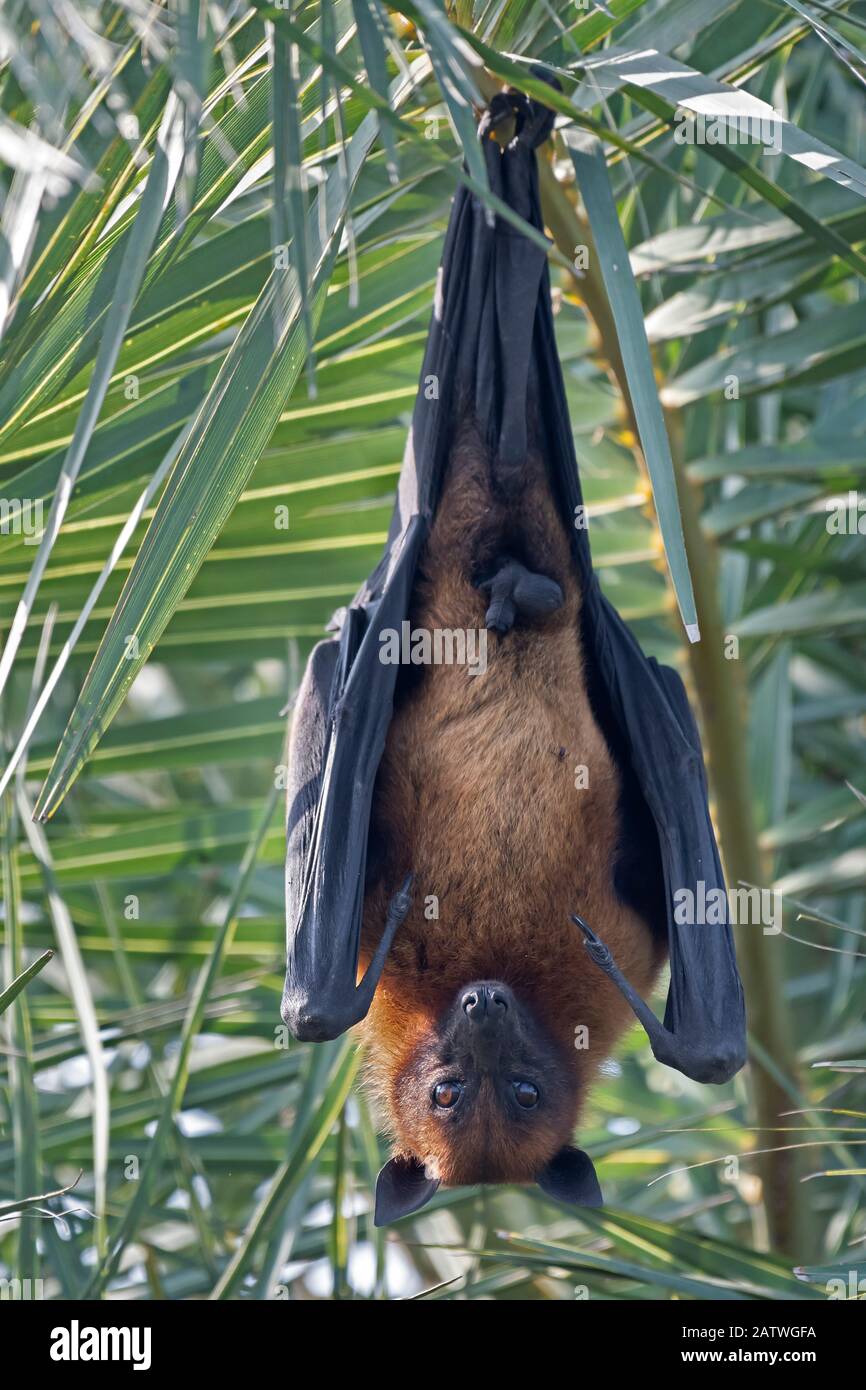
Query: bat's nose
x=486 y=1003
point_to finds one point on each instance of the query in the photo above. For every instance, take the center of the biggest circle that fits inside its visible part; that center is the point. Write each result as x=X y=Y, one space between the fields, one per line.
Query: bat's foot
x=515 y=592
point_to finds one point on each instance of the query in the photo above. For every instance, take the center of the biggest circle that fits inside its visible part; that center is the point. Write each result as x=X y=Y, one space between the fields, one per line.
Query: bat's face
x=484 y=1096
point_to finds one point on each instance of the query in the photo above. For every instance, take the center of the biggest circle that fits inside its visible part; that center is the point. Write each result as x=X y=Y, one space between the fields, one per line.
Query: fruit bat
x=486 y=837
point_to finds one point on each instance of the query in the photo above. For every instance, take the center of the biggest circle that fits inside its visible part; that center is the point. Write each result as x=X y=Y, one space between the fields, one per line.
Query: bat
x=485 y=837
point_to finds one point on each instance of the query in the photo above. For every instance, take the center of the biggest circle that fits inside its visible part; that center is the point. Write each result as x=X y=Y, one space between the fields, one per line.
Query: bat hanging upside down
x=502 y=810
x=484 y=858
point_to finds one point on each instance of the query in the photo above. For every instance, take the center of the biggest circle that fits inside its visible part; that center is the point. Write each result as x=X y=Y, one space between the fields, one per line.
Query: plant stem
x=721 y=693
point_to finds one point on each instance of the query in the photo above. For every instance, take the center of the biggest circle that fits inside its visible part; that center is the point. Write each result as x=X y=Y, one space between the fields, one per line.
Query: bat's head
x=483 y=1096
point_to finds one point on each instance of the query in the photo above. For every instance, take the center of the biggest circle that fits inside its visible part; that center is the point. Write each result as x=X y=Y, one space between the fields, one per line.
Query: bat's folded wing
x=703 y=1033
x=340 y=724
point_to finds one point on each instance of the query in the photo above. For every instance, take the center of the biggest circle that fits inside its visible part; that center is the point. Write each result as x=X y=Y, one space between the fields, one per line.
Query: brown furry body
x=476 y=797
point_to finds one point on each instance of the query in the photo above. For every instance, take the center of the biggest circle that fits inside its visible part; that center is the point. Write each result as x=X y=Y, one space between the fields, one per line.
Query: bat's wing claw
x=599 y=953
x=584 y=927
x=594 y=945
x=402 y=899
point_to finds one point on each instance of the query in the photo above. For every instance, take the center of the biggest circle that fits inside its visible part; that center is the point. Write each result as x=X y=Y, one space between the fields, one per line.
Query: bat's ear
x=570 y=1177
x=401 y=1188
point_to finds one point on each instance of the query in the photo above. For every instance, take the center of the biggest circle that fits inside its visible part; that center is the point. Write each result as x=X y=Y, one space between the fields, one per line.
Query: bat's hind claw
x=515 y=592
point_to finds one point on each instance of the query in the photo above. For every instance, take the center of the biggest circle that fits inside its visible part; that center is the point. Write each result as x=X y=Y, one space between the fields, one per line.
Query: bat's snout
x=488 y=1024
x=487 y=1004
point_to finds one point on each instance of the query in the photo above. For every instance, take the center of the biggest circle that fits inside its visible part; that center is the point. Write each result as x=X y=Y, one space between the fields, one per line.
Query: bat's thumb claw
x=599 y=953
x=594 y=945
x=402 y=899
x=584 y=927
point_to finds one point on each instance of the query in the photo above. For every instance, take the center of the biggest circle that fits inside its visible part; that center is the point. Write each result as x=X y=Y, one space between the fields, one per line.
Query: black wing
x=704 y=1032
x=340 y=724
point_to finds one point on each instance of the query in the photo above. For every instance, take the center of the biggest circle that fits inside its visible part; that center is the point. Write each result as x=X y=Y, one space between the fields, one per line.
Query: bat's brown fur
x=476 y=796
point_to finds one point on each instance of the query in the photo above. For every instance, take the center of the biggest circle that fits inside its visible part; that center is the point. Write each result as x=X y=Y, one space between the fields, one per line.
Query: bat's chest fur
x=496 y=789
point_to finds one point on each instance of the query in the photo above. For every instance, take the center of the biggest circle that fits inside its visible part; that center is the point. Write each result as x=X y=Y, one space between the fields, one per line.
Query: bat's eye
x=525 y=1094
x=446 y=1094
